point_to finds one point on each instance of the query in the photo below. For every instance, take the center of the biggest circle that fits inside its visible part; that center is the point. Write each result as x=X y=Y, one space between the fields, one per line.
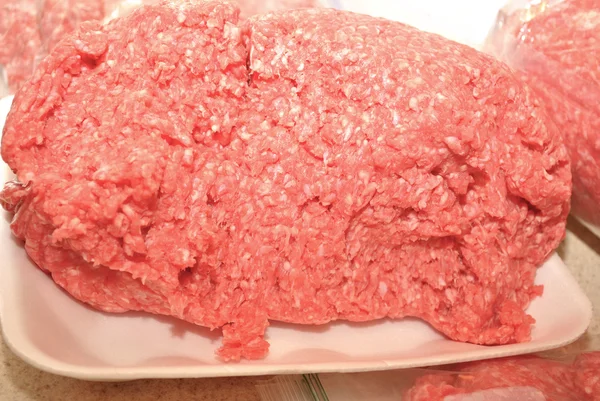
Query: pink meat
x=303 y=166
x=19 y=42
x=558 y=51
x=30 y=29
x=549 y=380
x=59 y=18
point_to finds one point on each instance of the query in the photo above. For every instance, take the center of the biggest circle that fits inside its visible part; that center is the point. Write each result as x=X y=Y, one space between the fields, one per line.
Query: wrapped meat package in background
x=20 y=41
x=555 y=376
x=555 y=46
x=524 y=378
x=29 y=29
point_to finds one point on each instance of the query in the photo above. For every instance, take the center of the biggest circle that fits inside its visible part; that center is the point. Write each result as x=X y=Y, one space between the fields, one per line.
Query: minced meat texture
x=59 y=18
x=543 y=379
x=558 y=51
x=302 y=166
x=30 y=29
x=579 y=127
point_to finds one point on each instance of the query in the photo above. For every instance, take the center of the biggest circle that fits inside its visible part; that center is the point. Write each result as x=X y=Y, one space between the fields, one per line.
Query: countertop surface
x=21 y=382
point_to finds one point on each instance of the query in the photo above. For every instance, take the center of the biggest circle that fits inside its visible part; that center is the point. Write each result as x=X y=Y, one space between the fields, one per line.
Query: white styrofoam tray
x=50 y=330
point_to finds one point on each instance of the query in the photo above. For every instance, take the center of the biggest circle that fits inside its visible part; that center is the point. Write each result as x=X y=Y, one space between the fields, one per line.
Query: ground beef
x=302 y=166
x=30 y=29
x=541 y=379
x=558 y=51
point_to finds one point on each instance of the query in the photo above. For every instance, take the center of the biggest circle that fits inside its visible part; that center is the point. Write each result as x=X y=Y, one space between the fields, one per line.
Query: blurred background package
x=554 y=45
x=552 y=377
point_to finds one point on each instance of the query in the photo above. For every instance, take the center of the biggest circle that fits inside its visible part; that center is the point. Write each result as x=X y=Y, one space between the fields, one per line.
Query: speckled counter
x=20 y=382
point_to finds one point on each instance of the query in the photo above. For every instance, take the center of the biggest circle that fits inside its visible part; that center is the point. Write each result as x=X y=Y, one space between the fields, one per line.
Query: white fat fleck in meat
x=413 y=103
x=587 y=20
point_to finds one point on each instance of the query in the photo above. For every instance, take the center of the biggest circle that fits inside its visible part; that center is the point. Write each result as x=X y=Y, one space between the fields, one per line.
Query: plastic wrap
x=464 y=21
x=554 y=45
x=29 y=29
x=556 y=377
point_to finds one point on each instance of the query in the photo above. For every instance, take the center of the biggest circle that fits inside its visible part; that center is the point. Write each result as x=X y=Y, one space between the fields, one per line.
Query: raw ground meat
x=302 y=166
x=30 y=29
x=551 y=380
x=558 y=51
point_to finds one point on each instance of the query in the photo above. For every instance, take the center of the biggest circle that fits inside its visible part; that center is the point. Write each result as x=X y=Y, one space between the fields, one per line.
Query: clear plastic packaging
x=464 y=21
x=554 y=45
x=551 y=377
x=29 y=29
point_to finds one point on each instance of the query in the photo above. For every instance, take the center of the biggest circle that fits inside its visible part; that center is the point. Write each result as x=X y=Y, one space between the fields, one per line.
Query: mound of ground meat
x=30 y=29
x=557 y=49
x=514 y=379
x=302 y=166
